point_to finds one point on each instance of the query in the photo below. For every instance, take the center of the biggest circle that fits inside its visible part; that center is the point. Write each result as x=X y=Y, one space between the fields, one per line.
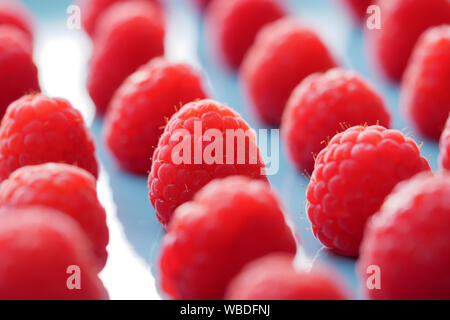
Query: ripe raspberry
x=142 y=106
x=37 y=129
x=202 y=4
x=324 y=104
x=358 y=7
x=409 y=240
x=352 y=177
x=284 y=53
x=233 y=25
x=444 y=146
x=129 y=35
x=92 y=11
x=15 y=14
x=172 y=183
x=230 y=223
x=425 y=88
x=37 y=246
x=274 y=277
x=65 y=188
x=18 y=73
x=402 y=23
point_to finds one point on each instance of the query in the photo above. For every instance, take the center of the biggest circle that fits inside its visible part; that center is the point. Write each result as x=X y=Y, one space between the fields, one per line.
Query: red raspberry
x=37 y=129
x=202 y=4
x=284 y=53
x=409 y=240
x=129 y=35
x=402 y=23
x=15 y=14
x=65 y=188
x=234 y=24
x=425 y=88
x=92 y=11
x=172 y=183
x=142 y=106
x=230 y=223
x=324 y=104
x=358 y=7
x=18 y=73
x=352 y=177
x=274 y=277
x=37 y=247
x=444 y=146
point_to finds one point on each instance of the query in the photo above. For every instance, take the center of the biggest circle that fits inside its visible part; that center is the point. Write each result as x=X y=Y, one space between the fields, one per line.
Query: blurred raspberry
x=18 y=73
x=352 y=177
x=65 y=188
x=13 y=13
x=202 y=4
x=129 y=35
x=409 y=241
x=37 y=247
x=324 y=104
x=358 y=7
x=425 y=90
x=284 y=53
x=142 y=107
x=402 y=23
x=274 y=277
x=233 y=25
x=444 y=146
x=230 y=223
x=37 y=129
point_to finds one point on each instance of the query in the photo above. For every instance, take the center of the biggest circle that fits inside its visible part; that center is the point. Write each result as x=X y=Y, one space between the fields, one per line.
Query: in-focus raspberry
x=37 y=247
x=15 y=14
x=233 y=25
x=65 y=188
x=229 y=223
x=173 y=181
x=129 y=35
x=352 y=177
x=324 y=104
x=18 y=73
x=274 y=277
x=283 y=54
x=142 y=106
x=409 y=242
x=37 y=129
x=402 y=23
x=425 y=90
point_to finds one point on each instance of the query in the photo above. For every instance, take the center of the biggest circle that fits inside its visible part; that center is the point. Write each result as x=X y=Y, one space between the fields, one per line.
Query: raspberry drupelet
x=228 y=224
x=274 y=277
x=65 y=188
x=18 y=73
x=234 y=24
x=283 y=54
x=142 y=106
x=13 y=13
x=409 y=241
x=37 y=129
x=129 y=34
x=425 y=94
x=351 y=178
x=216 y=142
x=38 y=247
x=323 y=105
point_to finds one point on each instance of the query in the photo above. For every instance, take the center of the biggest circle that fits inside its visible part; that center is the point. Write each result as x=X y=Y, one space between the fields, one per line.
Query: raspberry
x=274 y=277
x=358 y=7
x=172 y=183
x=37 y=129
x=13 y=13
x=65 y=188
x=409 y=241
x=424 y=92
x=18 y=73
x=444 y=146
x=129 y=35
x=93 y=9
x=230 y=223
x=202 y=4
x=352 y=177
x=284 y=53
x=324 y=104
x=234 y=24
x=37 y=247
x=142 y=106
x=402 y=23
